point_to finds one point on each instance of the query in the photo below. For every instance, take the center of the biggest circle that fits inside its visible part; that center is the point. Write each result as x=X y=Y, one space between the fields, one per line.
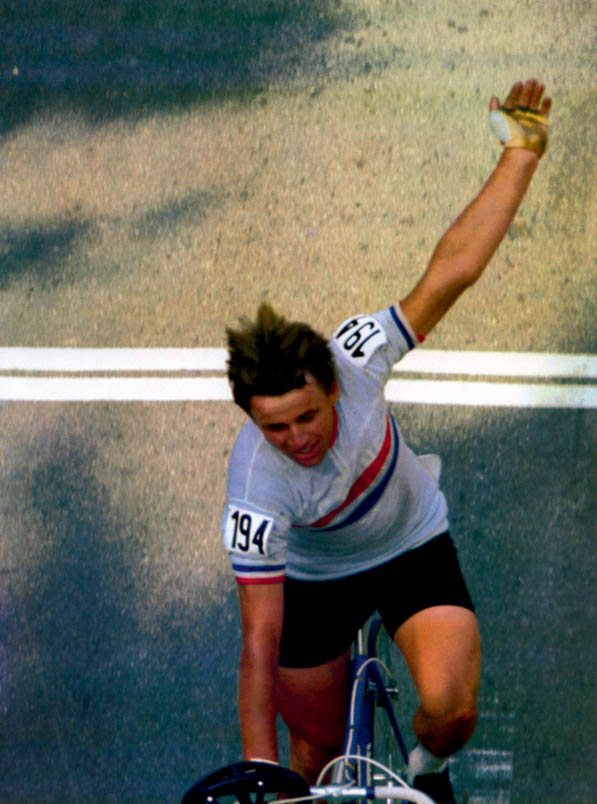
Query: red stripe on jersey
x=361 y=483
x=255 y=581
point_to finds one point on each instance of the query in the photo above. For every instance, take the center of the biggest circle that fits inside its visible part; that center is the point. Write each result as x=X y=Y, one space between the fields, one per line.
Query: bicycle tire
x=388 y=744
x=247 y=783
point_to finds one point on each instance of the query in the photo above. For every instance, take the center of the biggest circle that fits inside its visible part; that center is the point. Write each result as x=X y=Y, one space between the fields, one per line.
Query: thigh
x=426 y=607
x=441 y=646
x=419 y=579
x=313 y=701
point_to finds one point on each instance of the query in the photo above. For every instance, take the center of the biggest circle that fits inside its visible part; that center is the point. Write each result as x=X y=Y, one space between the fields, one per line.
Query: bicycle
x=373 y=745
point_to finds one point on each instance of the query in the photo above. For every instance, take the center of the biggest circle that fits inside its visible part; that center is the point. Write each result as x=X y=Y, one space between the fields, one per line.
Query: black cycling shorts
x=321 y=618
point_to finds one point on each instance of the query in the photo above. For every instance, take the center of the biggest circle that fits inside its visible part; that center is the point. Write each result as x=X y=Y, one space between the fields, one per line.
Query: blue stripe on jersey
x=369 y=501
x=403 y=330
x=258 y=568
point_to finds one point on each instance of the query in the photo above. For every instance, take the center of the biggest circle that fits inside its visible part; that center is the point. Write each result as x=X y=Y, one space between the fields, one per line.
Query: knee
x=309 y=759
x=449 y=722
x=461 y=723
x=448 y=698
x=459 y=712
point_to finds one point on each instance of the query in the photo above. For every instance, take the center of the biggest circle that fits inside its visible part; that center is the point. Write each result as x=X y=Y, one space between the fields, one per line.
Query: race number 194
x=360 y=337
x=247 y=532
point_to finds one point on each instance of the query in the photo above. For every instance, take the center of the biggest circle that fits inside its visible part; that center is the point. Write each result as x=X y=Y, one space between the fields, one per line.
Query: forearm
x=258 y=703
x=465 y=249
x=472 y=239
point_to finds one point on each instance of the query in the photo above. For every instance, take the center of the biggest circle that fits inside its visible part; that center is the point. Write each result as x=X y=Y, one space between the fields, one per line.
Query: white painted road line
x=93 y=360
x=420 y=361
x=114 y=389
x=177 y=389
x=541 y=366
x=499 y=364
x=491 y=394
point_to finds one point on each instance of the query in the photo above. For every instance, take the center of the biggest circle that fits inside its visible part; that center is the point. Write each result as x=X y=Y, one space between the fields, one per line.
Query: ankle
x=421 y=761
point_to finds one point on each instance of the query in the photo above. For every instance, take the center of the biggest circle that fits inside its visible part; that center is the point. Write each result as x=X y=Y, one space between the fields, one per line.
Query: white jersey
x=369 y=500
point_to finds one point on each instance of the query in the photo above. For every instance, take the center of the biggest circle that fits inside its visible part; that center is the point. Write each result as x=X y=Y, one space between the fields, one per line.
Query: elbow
x=449 y=278
x=465 y=272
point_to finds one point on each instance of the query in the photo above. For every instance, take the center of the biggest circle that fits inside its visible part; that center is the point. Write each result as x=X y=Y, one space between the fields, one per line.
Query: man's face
x=300 y=422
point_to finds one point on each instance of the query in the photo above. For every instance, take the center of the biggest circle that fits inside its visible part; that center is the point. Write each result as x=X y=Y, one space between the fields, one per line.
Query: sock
x=420 y=761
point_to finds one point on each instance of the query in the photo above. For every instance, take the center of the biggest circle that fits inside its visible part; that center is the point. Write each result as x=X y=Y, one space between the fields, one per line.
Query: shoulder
x=247 y=442
x=260 y=474
x=373 y=341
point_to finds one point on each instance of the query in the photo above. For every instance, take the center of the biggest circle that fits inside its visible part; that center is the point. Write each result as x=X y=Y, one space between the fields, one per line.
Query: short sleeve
x=254 y=542
x=255 y=520
x=374 y=342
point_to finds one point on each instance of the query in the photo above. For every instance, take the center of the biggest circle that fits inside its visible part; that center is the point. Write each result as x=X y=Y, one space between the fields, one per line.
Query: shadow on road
x=95 y=675
x=37 y=253
x=521 y=513
x=126 y=59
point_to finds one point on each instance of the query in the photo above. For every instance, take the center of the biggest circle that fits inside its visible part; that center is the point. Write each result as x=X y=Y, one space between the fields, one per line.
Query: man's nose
x=297 y=437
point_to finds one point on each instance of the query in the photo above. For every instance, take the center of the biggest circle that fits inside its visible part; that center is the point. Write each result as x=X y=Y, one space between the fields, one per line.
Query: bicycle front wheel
x=388 y=744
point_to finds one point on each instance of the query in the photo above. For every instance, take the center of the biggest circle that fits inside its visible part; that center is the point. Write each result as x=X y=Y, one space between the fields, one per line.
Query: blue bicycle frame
x=359 y=774
x=368 y=692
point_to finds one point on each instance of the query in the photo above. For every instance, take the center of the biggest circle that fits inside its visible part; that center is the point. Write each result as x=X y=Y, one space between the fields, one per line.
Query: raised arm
x=261 y=608
x=465 y=249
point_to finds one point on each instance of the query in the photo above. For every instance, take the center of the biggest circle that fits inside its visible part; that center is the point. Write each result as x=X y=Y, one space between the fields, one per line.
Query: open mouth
x=305 y=455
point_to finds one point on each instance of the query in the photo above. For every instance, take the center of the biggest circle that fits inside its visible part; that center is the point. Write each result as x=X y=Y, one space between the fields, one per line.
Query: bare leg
x=441 y=646
x=313 y=704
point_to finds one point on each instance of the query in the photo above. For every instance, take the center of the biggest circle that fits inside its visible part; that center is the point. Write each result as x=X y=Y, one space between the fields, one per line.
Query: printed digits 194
x=243 y=537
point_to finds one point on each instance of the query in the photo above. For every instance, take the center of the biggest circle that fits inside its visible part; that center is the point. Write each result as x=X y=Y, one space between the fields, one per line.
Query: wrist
x=519 y=161
x=522 y=154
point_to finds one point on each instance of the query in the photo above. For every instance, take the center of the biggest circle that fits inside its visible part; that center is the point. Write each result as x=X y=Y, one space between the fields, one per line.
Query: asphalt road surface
x=163 y=168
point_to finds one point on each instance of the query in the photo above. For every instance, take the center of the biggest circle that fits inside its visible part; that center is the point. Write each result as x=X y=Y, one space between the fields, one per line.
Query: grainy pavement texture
x=164 y=167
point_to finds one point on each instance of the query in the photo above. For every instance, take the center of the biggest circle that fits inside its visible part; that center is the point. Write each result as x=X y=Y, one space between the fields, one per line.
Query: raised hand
x=521 y=121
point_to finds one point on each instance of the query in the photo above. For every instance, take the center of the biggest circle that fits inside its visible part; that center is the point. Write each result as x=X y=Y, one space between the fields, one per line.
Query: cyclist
x=330 y=516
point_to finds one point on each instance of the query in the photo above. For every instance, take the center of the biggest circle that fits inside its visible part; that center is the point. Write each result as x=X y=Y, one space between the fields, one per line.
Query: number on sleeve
x=360 y=337
x=247 y=532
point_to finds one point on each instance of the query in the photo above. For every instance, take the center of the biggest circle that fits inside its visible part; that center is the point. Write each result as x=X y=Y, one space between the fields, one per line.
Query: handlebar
x=388 y=792
x=252 y=782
